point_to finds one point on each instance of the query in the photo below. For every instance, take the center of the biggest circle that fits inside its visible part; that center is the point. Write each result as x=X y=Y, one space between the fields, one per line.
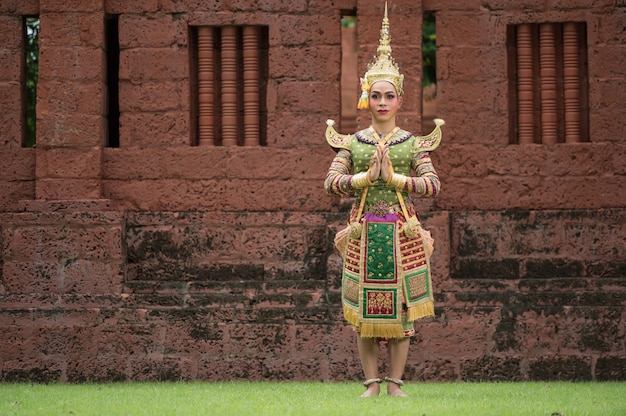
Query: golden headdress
x=383 y=68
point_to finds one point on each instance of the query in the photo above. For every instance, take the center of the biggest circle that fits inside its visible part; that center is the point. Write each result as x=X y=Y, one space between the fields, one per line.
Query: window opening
x=349 y=72
x=112 y=46
x=548 y=83
x=231 y=69
x=429 y=71
x=31 y=76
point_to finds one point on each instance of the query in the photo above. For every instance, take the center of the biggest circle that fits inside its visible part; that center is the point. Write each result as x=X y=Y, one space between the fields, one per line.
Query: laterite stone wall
x=160 y=260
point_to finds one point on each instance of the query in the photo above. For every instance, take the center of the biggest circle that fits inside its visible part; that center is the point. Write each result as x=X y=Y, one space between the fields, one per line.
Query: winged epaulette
x=431 y=141
x=337 y=140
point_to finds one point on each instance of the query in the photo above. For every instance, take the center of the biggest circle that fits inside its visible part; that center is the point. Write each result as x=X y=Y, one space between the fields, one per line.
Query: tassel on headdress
x=383 y=68
x=364 y=99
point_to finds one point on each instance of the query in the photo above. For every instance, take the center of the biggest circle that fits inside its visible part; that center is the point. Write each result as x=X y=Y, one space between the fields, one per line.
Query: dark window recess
x=30 y=76
x=429 y=71
x=350 y=90
x=112 y=45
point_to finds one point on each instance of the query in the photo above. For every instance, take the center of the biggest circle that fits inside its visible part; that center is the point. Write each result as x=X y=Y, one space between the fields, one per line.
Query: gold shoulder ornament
x=431 y=141
x=337 y=140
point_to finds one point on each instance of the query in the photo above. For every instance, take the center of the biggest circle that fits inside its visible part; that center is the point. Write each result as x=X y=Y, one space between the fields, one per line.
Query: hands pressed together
x=380 y=164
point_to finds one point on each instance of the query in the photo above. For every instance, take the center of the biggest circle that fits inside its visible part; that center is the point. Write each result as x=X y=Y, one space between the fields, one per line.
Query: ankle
x=372 y=387
x=394 y=381
x=394 y=387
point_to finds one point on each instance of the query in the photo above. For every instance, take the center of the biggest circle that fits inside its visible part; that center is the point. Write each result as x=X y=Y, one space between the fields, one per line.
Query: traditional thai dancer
x=386 y=280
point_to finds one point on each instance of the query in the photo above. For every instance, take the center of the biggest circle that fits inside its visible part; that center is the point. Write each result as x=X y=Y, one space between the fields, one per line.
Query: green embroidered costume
x=386 y=282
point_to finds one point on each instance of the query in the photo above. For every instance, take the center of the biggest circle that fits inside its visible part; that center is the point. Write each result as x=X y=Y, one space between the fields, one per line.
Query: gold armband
x=397 y=181
x=361 y=180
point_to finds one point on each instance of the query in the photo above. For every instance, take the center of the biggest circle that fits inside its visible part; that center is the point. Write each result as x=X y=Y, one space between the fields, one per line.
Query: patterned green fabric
x=381 y=286
x=405 y=157
x=400 y=153
x=386 y=282
x=380 y=251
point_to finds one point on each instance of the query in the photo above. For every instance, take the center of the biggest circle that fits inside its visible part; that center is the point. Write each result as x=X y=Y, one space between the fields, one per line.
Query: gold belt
x=382 y=208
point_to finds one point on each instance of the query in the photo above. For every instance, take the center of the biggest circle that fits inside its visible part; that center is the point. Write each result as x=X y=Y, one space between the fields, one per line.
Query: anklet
x=367 y=383
x=395 y=381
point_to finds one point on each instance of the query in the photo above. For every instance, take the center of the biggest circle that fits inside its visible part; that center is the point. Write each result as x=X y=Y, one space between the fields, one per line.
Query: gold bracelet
x=397 y=181
x=361 y=180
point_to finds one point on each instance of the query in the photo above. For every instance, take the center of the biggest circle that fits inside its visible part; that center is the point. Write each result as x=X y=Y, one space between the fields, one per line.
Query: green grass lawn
x=313 y=398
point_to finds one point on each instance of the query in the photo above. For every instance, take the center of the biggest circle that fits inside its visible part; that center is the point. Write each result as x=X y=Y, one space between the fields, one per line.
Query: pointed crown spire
x=384 y=68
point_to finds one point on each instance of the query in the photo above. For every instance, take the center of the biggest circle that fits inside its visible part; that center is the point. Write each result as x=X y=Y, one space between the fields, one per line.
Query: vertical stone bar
x=229 y=86
x=525 y=84
x=251 y=85
x=547 y=59
x=206 y=122
x=571 y=71
x=71 y=137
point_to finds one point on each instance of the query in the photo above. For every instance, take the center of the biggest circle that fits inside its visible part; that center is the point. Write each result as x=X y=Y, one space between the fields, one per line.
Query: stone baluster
x=206 y=122
x=525 y=84
x=547 y=59
x=229 y=86
x=571 y=84
x=251 y=85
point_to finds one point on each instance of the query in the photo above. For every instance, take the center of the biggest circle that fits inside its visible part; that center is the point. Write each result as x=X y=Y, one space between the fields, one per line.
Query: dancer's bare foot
x=394 y=387
x=373 y=387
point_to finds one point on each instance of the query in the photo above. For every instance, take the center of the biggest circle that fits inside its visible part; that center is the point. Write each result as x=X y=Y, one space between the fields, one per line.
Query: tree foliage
x=429 y=50
x=32 y=75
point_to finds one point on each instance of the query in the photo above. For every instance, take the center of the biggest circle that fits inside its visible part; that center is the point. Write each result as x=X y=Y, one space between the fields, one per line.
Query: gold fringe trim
x=368 y=330
x=351 y=315
x=421 y=311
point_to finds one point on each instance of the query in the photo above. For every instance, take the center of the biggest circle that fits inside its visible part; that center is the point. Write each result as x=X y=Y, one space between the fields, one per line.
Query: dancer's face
x=384 y=101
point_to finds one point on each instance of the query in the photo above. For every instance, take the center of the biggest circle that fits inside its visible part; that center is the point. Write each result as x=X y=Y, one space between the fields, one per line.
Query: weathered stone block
x=73 y=29
x=145 y=130
x=70 y=130
x=14 y=192
x=555 y=368
x=102 y=369
x=492 y=369
x=66 y=162
x=72 y=6
x=74 y=96
x=230 y=368
x=160 y=31
x=78 y=63
x=16 y=341
x=30 y=277
x=25 y=370
x=314 y=63
x=148 y=368
x=479 y=269
x=610 y=368
x=153 y=64
x=552 y=268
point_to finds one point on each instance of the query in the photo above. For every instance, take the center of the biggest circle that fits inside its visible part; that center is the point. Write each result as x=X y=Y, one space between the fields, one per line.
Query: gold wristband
x=397 y=181
x=361 y=180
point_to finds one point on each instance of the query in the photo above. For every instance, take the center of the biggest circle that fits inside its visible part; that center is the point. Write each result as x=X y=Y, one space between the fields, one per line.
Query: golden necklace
x=384 y=140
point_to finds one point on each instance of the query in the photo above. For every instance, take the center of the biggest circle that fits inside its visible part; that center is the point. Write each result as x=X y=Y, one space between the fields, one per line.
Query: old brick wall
x=17 y=165
x=162 y=260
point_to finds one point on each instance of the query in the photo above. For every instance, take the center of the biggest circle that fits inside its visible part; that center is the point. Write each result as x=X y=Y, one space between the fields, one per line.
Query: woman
x=386 y=282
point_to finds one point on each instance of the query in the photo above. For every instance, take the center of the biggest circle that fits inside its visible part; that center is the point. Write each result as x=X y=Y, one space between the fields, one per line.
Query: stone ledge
x=67 y=206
